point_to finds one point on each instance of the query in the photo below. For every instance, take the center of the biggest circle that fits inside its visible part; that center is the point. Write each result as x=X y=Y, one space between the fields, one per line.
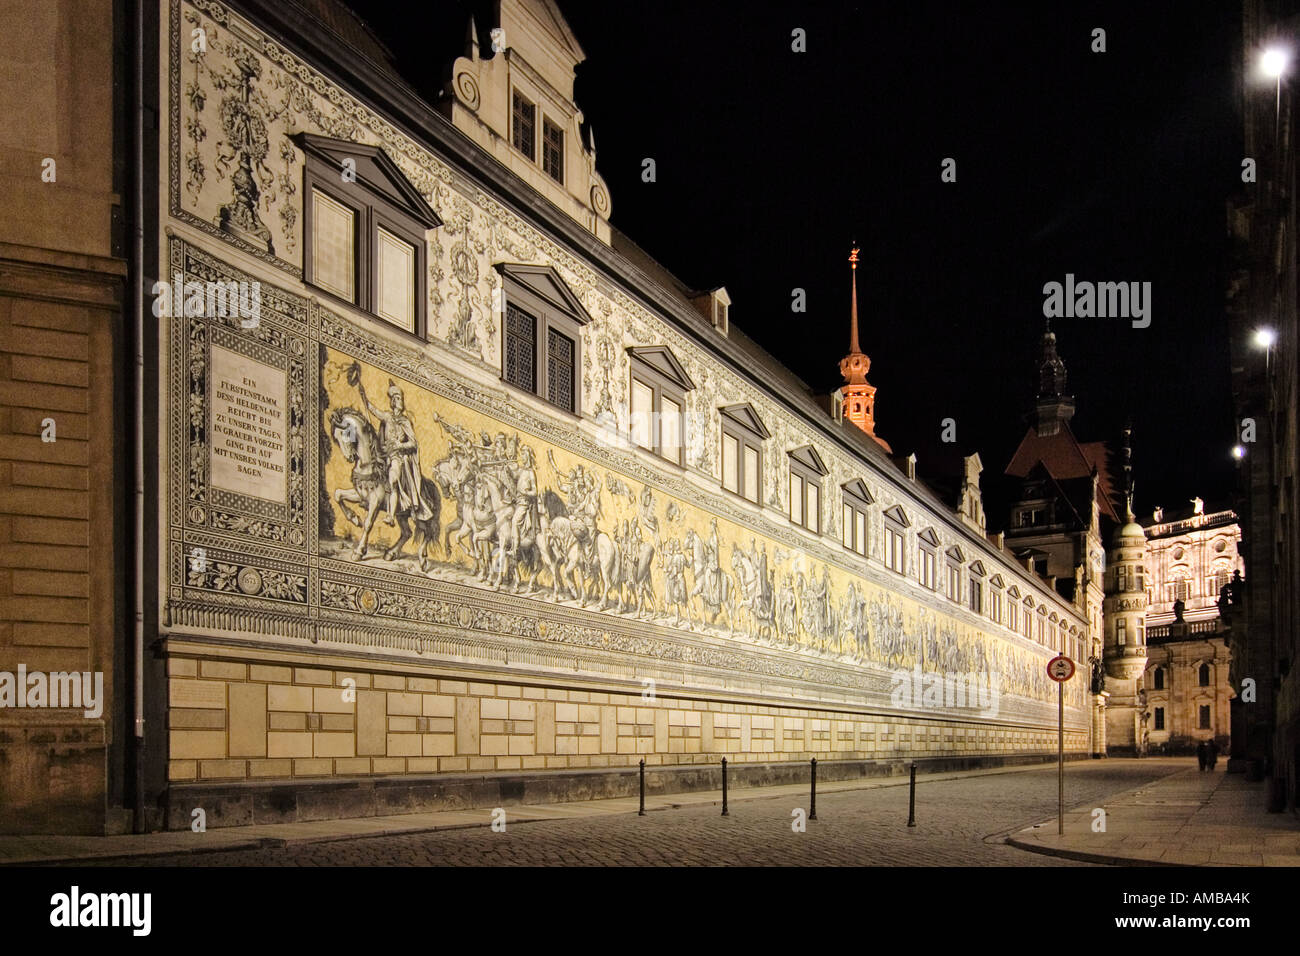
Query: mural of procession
x=419 y=484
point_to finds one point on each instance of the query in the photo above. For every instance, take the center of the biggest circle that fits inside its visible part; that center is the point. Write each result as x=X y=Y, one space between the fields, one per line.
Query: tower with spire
x=1125 y=612
x=859 y=397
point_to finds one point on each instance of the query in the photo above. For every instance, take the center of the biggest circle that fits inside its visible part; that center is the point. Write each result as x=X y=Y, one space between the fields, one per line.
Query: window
x=553 y=150
x=334 y=245
x=1182 y=590
x=853 y=516
x=976 y=594
x=1160 y=718
x=364 y=232
x=955 y=559
x=1158 y=679
x=1013 y=612
x=1204 y=675
x=995 y=604
x=1205 y=716
x=523 y=125
x=1142 y=632
x=893 y=547
x=658 y=396
x=806 y=472
x=541 y=335
x=1121 y=631
x=743 y=433
x=896 y=524
x=1029 y=620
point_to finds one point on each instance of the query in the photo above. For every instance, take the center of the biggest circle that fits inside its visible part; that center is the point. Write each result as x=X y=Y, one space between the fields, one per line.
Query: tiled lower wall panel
x=231 y=720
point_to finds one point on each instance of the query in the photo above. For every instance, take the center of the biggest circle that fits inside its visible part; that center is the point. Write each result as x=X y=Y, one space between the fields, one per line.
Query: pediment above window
x=929 y=537
x=661 y=359
x=807 y=456
x=545 y=283
x=977 y=568
x=955 y=554
x=857 y=488
x=1013 y=592
x=996 y=581
x=898 y=514
x=744 y=415
x=374 y=170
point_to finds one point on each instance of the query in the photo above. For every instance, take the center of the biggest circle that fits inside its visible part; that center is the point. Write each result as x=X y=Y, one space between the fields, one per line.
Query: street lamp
x=1274 y=62
x=1264 y=339
x=1238 y=452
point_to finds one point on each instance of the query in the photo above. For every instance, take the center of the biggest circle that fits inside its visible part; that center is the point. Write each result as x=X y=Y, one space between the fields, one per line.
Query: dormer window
x=523 y=125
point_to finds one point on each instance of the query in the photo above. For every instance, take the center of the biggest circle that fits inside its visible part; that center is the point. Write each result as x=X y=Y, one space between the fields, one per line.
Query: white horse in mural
x=359 y=443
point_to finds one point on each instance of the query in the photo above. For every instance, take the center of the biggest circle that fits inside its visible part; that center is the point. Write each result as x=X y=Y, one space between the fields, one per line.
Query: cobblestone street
x=960 y=822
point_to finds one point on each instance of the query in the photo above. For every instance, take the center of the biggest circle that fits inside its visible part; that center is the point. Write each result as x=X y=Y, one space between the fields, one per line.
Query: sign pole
x=1060 y=669
x=1060 y=758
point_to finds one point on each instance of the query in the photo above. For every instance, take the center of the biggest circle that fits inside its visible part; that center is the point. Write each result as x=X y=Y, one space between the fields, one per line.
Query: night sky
x=1113 y=166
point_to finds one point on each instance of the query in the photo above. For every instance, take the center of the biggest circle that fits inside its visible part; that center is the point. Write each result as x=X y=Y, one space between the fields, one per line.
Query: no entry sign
x=1060 y=669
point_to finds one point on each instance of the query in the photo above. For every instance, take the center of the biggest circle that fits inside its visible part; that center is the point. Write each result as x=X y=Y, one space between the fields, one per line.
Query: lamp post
x=1274 y=62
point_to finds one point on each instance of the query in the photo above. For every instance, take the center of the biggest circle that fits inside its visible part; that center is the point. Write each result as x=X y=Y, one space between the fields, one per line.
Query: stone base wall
x=256 y=735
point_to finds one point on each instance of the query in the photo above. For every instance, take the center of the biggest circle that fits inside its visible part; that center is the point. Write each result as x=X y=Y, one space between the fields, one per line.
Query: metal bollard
x=724 y=787
x=641 y=812
x=812 y=809
x=911 y=800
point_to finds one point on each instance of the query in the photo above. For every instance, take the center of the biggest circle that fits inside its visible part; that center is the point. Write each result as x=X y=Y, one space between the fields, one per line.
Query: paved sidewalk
x=1187 y=819
x=21 y=850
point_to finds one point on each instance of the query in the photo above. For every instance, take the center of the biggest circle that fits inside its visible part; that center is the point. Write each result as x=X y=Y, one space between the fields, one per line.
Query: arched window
x=1205 y=675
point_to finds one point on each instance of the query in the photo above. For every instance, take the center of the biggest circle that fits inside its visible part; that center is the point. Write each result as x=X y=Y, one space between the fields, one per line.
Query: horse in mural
x=360 y=445
x=756 y=595
x=712 y=584
x=638 y=560
x=571 y=561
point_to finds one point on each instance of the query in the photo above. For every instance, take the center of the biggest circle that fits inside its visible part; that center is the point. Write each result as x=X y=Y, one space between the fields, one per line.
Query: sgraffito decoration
x=330 y=484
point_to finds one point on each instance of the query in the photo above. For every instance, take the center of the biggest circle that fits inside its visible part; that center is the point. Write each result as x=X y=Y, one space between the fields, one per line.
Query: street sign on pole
x=1060 y=669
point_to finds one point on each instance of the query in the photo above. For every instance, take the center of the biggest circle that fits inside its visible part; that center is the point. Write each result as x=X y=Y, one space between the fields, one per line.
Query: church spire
x=854 y=348
x=1054 y=407
x=859 y=402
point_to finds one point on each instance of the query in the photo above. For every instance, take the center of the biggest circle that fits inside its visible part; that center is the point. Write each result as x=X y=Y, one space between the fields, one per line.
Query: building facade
x=1262 y=316
x=448 y=487
x=1191 y=558
x=620 y=531
x=65 y=370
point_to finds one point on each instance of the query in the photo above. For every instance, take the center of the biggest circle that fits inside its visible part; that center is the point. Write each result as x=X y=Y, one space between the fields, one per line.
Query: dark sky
x=1113 y=166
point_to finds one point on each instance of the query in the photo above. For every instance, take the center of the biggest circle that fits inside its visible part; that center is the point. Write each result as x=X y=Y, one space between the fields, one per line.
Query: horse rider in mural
x=712 y=570
x=583 y=492
x=397 y=435
x=525 y=482
x=646 y=515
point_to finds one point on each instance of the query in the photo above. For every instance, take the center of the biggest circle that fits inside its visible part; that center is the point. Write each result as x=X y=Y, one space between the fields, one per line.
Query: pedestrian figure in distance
x=1202 y=755
x=1213 y=750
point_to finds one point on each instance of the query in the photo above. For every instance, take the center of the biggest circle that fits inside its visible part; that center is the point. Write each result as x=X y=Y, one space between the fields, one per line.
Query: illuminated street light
x=1238 y=452
x=1274 y=62
x=1265 y=338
